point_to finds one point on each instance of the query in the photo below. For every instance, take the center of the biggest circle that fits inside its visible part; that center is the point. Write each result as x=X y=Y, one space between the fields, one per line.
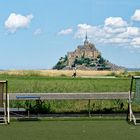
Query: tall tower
x=86 y=39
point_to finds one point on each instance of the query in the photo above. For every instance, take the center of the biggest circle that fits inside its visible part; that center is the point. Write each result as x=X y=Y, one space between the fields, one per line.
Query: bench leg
x=89 y=114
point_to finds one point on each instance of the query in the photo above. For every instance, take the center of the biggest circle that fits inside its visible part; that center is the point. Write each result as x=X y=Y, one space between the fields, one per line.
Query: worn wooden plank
x=69 y=96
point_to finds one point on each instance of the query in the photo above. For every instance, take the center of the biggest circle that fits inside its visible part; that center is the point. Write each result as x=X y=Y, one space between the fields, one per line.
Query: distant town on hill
x=85 y=57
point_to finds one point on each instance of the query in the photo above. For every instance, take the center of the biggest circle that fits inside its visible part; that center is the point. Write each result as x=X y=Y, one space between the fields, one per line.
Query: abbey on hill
x=85 y=57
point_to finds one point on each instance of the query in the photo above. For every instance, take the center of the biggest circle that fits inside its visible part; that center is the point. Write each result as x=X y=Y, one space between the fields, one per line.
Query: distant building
x=87 y=50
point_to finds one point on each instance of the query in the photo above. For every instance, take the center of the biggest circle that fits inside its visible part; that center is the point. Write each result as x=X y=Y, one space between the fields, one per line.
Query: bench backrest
x=136 y=98
x=137 y=92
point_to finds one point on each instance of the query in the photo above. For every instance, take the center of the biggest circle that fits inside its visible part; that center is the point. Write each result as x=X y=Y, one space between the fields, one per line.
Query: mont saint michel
x=85 y=57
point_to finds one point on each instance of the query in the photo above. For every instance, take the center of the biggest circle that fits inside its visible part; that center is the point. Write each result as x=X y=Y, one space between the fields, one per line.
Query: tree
x=61 y=63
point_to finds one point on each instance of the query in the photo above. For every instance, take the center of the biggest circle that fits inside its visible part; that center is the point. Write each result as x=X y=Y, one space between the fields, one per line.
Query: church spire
x=86 y=39
x=86 y=36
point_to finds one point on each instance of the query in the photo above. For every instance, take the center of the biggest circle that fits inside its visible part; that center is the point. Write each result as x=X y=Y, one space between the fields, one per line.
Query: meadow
x=59 y=73
x=31 y=82
x=25 y=83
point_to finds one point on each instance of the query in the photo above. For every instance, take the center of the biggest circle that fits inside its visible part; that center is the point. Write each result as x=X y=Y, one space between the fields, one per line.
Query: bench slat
x=69 y=96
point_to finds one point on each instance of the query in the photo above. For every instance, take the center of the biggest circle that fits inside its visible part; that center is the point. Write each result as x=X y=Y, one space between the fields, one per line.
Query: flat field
x=58 y=73
x=44 y=84
x=70 y=130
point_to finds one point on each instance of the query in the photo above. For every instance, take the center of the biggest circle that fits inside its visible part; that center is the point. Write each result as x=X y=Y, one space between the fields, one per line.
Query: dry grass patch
x=57 y=73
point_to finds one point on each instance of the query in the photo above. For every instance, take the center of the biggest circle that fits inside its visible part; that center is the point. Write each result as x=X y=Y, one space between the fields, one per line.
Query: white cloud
x=130 y=32
x=82 y=29
x=126 y=36
x=84 y=26
x=116 y=40
x=37 y=31
x=111 y=30
x=136 y=15
x=136 y=42
x=66 y=31
x=16 y=21
x=115 y=22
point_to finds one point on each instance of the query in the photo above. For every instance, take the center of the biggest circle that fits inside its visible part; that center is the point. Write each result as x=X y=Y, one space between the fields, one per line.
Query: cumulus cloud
x=84 y=26
x=111 y=30
x=115 y=22
x=16 y=21
x=38 y=31
x=82 y=29
x=130 y=32
x=136 y=42
x=65 y=31
x=136 y=15
x=114 y=32
x=126 y=36
x=93 y=31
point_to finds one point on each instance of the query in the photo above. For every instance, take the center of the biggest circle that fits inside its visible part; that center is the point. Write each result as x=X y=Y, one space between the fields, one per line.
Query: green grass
x=40 y=84
x=70 y=130
x=65 y=84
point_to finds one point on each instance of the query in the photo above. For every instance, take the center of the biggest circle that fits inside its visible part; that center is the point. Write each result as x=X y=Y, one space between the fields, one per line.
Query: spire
x=86 y=39
x=86 y=35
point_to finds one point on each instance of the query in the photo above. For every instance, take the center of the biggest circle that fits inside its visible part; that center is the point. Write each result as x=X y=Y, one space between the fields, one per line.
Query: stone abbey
x=87 y=50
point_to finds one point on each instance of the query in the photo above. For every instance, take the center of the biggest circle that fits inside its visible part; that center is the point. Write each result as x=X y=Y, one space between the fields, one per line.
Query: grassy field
x=44 y=84
x=58 y=73
x=69 y=73
x=65 y=84
x=70 y=130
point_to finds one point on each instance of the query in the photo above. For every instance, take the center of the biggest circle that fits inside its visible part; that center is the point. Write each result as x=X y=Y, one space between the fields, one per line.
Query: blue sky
x=34 y=34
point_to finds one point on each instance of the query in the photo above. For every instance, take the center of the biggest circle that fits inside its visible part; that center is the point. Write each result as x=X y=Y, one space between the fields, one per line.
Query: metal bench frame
x=5 y=101
x=130 y=115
